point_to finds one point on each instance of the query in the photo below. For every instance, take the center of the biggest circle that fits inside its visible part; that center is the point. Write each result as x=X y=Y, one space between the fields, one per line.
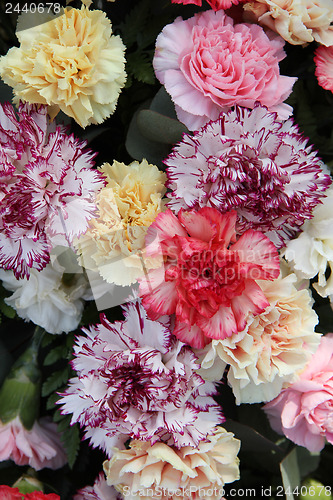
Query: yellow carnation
x=71 y=62
x=161 y=471
x=115 y=241
x=298 y=21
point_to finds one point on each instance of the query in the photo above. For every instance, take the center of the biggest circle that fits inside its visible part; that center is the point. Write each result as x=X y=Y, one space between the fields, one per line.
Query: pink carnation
x=47 y=188
x=39 y=447
x=208 y=278
x=99 y=491
x=324 y=67
x=303 y=411
x=207 y=64
x=134 y=378
x=215 y=4
x=271 y=176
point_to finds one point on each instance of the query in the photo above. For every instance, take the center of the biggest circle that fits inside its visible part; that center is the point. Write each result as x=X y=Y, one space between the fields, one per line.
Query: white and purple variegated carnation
x=135 y=379
x=250 y=162
x=47 y=187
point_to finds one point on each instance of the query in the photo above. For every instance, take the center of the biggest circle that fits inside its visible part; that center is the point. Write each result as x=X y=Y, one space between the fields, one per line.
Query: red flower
x=38 y=495
x=209 y=283
x=8 y=493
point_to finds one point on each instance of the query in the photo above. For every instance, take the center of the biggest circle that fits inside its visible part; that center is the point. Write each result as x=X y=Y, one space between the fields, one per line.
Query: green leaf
x=54 y=381
x=290 y=474
x=7 y=310
x=51 y=401
x=57 y=353
x=139 y=65
x=70 y=436
x=135 y=23
x=159 y=128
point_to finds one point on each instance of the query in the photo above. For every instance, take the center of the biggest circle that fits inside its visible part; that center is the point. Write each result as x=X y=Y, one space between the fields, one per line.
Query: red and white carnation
x=47 y=188
x=251 y=162
x=135 y=379
x=207 y=65
x=209 y=276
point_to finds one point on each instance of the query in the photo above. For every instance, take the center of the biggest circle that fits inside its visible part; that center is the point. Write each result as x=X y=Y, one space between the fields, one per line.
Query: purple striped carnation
x=47 y=187
x=135 y=379
x=250 y=162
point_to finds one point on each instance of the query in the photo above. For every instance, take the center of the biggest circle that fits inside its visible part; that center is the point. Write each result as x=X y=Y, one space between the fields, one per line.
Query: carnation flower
x=135 y=378
x=8 y=493
x=274 y=346
x=49 y=298
x=270 y=176
x=297 y=22
x=214 y=4
x=72 y=62
x=38 y=447
x=47 y=188
x=39 y=495
x=303 y=411
x=208 y=65
x=324 y=67
x=144 y=469
x=311 y=253
x=208 y=278
x=100 y=491
x=114 y=243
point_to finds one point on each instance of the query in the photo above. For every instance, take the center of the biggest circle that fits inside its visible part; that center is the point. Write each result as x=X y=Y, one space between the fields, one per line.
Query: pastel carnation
x=71 y=62
x=208 y=279
x=208 y=65
x=297 y=22
x=114 y=243
x=143 y=469
x=311 y=253
x=270 y=176
x=272 y=349
x=303 y=411
x=214 y=4
x=38 y=447
x=134 y=378
x=47 y=298
x=324 y=67
x=99 y=491
x=47 y=188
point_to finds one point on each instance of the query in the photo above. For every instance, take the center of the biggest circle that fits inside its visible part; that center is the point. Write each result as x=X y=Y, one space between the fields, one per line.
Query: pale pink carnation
x=304 y=411
x=208 y=65
x=208 y=277
x=134 y=378
x=38 y=447
x=99 y=491
x=214 y=4
x=47 y=188
x=324 y=67
x=271 y=177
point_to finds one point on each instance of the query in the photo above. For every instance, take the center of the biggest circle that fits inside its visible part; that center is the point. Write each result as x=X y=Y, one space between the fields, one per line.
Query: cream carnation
x=72 y=62
x=298 y=21
x=274 y=346
x=143 y=469
x=47 y=298
x=114 y=243
x=311 y=253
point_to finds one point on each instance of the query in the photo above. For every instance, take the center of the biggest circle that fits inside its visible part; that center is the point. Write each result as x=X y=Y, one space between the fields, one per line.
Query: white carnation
x=311 y=252
x=46 y=298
